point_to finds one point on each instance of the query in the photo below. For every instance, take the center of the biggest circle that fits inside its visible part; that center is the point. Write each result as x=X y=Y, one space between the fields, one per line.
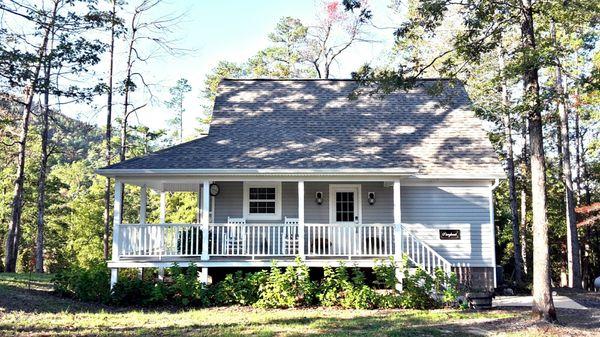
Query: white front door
x=344 y=213
x=344 y=206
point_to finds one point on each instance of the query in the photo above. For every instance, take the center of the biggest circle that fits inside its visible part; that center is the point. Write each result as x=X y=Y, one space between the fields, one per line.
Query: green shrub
x=132 y=291
x=388 y=300
x=239 y=288
x=417 y=290
x=337 y=289
x=186 y=290
x=385 y=273
x=290 y=289
x=85 y=284
x=333 y=285
x=447 y=286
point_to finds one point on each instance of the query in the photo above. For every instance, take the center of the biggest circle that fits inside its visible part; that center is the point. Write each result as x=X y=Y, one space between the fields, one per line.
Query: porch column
x=398 y=233
x=143 y=203
x=205 y=217
x=163 y=207
x=117 y=219
x=116 y=232
x=301 y=220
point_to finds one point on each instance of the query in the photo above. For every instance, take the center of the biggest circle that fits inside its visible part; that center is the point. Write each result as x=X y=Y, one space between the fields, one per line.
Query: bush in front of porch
x=289 y=288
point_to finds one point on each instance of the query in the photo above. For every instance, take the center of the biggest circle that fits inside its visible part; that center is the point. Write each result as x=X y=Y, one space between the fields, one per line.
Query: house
x=296 y=168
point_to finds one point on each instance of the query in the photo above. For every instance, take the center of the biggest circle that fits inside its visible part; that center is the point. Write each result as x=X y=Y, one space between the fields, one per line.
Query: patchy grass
x=29 y=308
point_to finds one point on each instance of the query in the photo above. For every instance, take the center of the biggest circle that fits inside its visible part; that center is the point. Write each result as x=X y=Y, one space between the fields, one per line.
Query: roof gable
x=312 y=124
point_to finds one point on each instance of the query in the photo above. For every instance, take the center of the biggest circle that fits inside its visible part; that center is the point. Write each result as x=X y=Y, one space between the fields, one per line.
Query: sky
x=232 y=30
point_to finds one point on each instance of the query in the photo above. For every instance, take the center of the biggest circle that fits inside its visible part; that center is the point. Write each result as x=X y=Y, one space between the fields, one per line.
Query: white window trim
x=274 y=216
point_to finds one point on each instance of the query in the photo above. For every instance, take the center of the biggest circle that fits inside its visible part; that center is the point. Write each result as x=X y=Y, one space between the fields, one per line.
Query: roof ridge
x=322 y=79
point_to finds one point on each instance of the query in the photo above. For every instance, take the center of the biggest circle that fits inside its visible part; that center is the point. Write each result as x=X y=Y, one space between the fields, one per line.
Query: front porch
x=267 y=221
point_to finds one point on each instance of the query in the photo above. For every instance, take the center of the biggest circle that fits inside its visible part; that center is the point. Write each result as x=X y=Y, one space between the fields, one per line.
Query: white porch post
x=205 y=217
x=398 y=232
x=163 y=207
x=116 y=229
x=143 y=203
x=203 y=276
x=301 y=252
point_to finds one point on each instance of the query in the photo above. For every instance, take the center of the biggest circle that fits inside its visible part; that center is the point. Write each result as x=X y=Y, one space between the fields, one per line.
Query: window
x=262 y=201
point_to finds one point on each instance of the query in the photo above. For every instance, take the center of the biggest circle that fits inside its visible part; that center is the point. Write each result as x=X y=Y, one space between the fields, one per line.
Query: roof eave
x=255 y=172
x=379 y=172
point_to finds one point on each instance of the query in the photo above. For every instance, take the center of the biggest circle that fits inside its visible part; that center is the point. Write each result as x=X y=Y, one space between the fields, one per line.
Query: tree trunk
x=543 y=305
x=577 y=158
x=14 y=227
x=573 y=258
x=43 y=170
x=510 y=167
x=108 y=135
x=524 y=176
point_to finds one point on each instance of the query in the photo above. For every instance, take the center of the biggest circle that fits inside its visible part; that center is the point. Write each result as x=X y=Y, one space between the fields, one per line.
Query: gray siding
x=427 y=209
x=382 y=211
x=230 y=201
x=314 y=213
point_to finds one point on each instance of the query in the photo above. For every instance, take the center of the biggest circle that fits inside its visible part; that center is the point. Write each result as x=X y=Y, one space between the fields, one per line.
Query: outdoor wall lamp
x=319 y=198
x=371 y=198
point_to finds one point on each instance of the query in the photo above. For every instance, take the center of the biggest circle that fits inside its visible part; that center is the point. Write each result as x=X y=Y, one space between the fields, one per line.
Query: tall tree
x=178 y=92
x=543 y=305
x=334 y=32
x=108 y=131
x=144 y=28
x=33 y=63
x=573 y=258
x=510 y=168
x=43 y=170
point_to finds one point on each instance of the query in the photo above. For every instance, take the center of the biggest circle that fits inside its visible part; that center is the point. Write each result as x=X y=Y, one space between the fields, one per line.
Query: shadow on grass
x=39 y=312
x=381 y=325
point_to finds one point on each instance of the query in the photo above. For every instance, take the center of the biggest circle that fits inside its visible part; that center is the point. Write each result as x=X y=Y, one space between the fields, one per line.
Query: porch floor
x=243 y=261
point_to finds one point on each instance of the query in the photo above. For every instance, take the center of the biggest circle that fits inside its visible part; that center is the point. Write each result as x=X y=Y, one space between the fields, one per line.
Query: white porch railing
x=348 y=240
x=420 y=253
x=278 y=240
x=253 y=240
x=157 y=240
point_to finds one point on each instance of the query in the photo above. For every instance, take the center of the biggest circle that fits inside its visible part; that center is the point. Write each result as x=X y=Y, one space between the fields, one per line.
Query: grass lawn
x=29 y=308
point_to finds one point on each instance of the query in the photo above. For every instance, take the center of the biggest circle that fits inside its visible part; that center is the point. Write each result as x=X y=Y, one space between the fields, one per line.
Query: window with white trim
x=262 y=201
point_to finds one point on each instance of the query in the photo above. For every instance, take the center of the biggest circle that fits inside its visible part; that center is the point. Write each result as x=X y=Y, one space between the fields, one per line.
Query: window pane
x=262 y=193
x=262 y=207
x=344 y=206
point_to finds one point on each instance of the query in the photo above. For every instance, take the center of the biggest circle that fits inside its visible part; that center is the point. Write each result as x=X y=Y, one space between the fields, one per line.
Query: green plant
x=186 y=290
x=334 y=282
x=85 y=284
x=292 y=288
x=132 y=291
x=417 y=290
x=338 y=289
x=239 y=288
x=446 y=286
x=385 y=273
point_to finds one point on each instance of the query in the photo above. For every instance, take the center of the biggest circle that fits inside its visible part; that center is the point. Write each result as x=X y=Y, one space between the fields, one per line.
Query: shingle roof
x=312 y=124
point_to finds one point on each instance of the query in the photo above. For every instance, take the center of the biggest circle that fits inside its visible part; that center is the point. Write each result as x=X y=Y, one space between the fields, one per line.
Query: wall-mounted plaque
x=449 y=234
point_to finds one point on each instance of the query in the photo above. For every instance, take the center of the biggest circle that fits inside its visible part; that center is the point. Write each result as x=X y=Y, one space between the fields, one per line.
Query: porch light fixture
x=371 y=198
x=319 y=198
